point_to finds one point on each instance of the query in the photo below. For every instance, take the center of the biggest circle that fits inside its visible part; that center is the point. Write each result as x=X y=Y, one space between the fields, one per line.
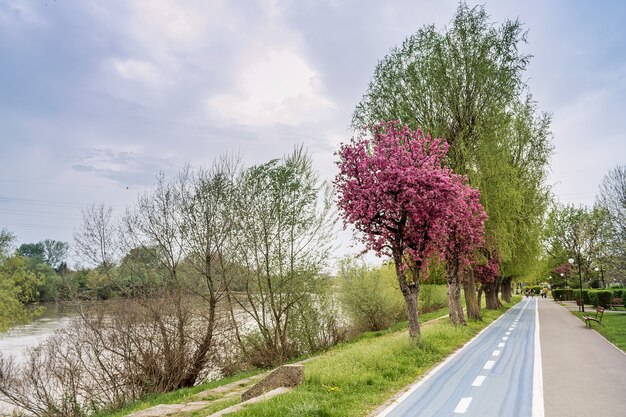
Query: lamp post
x=580 y=277
x=601 y=275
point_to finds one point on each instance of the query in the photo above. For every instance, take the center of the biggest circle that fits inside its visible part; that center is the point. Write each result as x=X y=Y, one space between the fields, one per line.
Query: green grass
x=355 y=378
x=615 y=330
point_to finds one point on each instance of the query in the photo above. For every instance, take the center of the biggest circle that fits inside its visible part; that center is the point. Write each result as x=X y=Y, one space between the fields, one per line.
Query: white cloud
x=136 y=70
x=279 y=87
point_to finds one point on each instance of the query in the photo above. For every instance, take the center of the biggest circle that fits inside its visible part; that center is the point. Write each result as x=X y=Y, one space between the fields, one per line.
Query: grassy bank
x=175 y=397
x=615 y=329
x=354 y=379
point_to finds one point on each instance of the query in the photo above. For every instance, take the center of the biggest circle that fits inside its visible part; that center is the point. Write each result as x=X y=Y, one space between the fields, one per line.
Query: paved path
x=491 y=377
x=583 y=374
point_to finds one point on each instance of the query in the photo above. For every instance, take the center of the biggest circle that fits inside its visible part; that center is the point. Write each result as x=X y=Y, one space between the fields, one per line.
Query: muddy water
x=20 y=338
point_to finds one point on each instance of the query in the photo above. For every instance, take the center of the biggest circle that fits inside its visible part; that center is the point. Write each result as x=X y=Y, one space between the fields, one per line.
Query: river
x=18 y=339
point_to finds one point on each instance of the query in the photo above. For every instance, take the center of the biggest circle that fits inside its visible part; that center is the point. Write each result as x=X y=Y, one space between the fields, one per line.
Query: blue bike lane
x=497 y=374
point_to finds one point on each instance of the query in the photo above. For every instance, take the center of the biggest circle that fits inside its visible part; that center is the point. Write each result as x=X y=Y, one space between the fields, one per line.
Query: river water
x=18 y=339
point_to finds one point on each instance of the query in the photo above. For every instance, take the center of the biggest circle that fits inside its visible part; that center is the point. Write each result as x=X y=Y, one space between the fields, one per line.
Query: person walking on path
x=583 y=374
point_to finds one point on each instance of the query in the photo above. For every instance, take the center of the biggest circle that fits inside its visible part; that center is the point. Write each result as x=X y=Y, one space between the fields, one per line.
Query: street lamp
x=580 y=277
x=601 y=275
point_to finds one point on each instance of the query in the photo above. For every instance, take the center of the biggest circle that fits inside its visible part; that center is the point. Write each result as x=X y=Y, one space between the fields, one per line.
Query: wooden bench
x=597 y=318
x=615 y=303
x=580 y=304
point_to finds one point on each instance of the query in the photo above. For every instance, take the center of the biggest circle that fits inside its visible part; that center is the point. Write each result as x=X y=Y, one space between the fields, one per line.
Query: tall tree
x=395 y=191
x=54 y=252
x=465 y=84
x=465 y=234
x=284 y=225
x=612 y=198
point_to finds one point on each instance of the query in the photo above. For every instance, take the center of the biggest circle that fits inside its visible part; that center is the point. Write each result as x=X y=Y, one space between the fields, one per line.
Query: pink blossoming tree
x=488 y=275
x=466 y=226
x=395 y=191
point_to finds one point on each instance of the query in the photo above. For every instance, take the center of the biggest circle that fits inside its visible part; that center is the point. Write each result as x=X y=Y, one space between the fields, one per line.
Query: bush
x=618 y=292
x=432 y=297
x=563 y=294
x=585 y=297
x=369 y=296
x=601 y=297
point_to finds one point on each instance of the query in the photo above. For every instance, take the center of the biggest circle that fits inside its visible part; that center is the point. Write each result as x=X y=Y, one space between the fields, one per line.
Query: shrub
x=563 y=294
x=601 y=297
x=618 y=292
x=585 y=297
x=432 y=297
x=369 y=297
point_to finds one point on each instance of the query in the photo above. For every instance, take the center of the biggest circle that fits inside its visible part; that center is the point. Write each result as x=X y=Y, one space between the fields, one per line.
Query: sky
x=97 y=97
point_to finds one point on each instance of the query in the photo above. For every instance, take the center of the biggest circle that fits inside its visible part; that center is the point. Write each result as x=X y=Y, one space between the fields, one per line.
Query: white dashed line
x=510 y=328
x=505 y=338
x=501 y=345
x=479 y=381
x=507 y=333
x=489 y=364
x=462 y=405
x=496 y=353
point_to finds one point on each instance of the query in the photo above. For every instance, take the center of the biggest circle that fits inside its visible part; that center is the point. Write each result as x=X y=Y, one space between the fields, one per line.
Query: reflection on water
x=17 y=340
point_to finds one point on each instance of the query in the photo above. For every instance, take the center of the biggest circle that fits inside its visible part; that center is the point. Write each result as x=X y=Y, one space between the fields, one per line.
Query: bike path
x=490 y=377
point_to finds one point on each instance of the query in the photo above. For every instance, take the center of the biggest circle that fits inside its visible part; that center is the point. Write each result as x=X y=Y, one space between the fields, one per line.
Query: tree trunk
x=506 y=289
x=491 y=295
x=472 y=302
x=410 y=291
x=454 y=293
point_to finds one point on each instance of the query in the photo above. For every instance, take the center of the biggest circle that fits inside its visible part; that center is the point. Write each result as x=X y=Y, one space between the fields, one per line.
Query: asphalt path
x=584 y=375
x=492 y=376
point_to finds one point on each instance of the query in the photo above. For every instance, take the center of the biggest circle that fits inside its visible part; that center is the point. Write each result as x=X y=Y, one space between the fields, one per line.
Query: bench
x=597 y=318
x=580 y=304
x=615 y=303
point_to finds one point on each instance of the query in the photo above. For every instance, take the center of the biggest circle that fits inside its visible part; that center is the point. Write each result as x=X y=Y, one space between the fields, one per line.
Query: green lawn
x=615 y=329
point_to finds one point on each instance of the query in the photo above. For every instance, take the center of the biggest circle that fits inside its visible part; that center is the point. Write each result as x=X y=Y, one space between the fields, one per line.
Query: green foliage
x=563 y=294
x=576 y=295
x=600 y=297
x=618 y=292
x=18 y=287
x=465 y=84
x=370 y=296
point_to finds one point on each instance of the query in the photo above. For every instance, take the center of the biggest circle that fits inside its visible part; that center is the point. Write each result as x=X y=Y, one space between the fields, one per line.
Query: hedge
x=586 y=298
x=563 y=294
x=600 y=297
x=618 y=292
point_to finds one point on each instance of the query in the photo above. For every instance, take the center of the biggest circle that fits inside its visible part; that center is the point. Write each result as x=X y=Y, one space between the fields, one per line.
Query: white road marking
x=537 y=405
x=507 y=333
x=479 y=381
x=489 y=364
x=501 y=345
x=462 y=405
x=510 y=329
x=496 y=353
x=505 y=338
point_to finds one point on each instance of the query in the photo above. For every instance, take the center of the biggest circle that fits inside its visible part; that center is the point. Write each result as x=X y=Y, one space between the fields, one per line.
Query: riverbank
x=353 y=378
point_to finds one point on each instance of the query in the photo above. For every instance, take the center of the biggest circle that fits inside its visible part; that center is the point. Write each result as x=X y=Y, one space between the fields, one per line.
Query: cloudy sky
x=97 y=97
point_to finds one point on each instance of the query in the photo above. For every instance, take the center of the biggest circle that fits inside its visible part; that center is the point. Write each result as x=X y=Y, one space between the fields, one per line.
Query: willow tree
x=465 y=84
